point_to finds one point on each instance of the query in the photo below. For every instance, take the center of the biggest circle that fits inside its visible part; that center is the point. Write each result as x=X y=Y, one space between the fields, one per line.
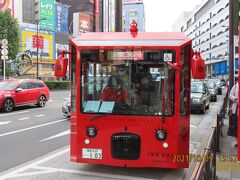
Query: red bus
x=130 y=98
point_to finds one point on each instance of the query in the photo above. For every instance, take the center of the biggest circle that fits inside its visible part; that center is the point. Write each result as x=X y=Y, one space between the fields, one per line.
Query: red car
x=20 y=92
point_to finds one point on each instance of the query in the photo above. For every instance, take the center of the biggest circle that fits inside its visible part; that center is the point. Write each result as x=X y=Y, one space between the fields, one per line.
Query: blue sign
x=61 y=18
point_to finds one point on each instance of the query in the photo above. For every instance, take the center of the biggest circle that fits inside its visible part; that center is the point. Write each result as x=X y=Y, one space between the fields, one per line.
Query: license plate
x=91 y=153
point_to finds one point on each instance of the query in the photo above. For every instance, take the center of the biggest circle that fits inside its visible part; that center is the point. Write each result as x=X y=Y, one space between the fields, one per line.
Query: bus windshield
x=122 y=82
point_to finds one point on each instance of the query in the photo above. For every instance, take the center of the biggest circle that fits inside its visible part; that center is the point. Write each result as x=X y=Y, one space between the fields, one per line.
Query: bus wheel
x=42 y=101
x=8 y=105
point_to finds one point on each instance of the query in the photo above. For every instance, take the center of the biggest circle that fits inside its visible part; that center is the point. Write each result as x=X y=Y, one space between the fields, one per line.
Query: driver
x=114 y=91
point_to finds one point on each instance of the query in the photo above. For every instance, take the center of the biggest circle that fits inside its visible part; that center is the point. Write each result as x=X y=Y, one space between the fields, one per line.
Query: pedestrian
x=233 y=112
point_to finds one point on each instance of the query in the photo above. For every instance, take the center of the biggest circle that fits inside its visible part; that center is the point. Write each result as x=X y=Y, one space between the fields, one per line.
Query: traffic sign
x=4 y=42
x=4 y=52
x=4 y=46
x=4 y=57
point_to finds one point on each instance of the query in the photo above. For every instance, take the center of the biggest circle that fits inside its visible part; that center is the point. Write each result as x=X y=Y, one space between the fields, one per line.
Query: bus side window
x=185 y=77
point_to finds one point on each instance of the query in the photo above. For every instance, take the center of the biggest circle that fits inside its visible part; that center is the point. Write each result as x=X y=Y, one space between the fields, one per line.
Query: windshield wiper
x=98 y=116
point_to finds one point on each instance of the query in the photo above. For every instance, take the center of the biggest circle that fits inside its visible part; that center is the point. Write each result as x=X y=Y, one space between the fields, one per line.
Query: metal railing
x=206 y=169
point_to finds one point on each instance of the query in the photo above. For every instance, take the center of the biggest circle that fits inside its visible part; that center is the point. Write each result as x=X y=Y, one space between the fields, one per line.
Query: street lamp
x=38 y=21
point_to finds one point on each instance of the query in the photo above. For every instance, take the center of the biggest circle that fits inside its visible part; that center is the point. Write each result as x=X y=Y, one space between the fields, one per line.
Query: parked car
x=223 y=82
x=219 y=86
x=200 y=97
x=66 y=108
x=213 y=90
x=155 y=75
x=21 y=92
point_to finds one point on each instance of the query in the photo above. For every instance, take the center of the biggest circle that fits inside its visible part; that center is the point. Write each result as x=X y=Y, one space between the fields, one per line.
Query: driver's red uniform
x=118 y=95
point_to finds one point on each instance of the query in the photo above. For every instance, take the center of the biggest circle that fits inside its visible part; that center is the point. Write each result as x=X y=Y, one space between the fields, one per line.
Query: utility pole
x=233 y=31
x=38 y=21
x=231 y=50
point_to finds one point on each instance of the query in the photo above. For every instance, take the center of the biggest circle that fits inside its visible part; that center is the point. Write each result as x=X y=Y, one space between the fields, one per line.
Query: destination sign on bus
x=128 y=55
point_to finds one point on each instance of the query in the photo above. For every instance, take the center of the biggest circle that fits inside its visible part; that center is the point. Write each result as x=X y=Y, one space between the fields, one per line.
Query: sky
x=160 y=15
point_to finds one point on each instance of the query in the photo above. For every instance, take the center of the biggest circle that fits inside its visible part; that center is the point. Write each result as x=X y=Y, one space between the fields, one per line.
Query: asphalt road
x=30 y=132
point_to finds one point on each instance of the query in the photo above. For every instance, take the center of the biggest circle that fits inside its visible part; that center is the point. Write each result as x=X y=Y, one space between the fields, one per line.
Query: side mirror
x=198 y=67
x=19 y=89
x=60 y=67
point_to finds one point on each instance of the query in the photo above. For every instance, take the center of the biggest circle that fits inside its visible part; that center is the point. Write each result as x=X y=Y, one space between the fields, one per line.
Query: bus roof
x=126 y=39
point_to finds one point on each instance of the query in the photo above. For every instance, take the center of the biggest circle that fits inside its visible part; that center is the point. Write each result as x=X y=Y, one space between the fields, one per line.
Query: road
x=28 y=134
x=25 y=132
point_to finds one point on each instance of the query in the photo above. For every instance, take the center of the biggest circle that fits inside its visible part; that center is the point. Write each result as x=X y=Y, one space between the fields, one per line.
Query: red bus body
x=131 y=137
x=238 y=139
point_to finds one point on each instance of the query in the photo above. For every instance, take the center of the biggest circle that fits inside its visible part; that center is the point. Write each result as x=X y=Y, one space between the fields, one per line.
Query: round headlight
x=91 y=132
x=161 y=134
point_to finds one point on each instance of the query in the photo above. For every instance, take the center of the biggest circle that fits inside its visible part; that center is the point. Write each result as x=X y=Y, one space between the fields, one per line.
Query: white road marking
x=13 y=113
x=40 y=115
x=30 y=166
x=25 y=118
x=192 y=126
x=43 y=170
x=46 y=170
x=30 y=128
x=57 y=135
x=6 y=122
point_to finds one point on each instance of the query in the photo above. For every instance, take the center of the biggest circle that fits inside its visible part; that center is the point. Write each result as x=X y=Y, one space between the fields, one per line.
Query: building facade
x=208 y=27
x=133 y=10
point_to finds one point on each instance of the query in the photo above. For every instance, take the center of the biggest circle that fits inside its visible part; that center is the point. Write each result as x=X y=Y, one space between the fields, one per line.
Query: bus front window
x=124 y=82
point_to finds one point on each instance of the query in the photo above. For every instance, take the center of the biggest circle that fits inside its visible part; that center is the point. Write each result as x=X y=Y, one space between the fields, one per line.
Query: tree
x=9 y=31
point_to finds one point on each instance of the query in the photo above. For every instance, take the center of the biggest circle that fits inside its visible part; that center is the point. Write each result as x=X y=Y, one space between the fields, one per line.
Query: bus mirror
x=60 y=67
x=198 y=67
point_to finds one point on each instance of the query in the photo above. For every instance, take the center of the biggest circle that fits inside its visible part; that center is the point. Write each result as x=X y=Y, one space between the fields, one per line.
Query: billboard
x=84 y=22
x=4 y=5
x=28 y=42
x=47 y=13
x=78 y=6
x=81 y=23
x=61 y=18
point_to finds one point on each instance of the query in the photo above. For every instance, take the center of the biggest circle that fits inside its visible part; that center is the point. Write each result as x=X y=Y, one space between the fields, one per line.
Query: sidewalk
x=227 y=165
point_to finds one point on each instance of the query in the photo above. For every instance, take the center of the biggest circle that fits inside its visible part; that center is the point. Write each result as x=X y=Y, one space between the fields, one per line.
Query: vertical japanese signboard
x=47 y=13
x=105 y=16
x=112 y=15
x=97 y=6
x=61 y=18
x=84 y=22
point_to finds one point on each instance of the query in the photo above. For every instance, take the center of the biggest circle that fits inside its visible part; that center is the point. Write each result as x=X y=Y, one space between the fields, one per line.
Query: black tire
x=208 y=106
x=203 y=110
x=8 y=105
x=42 y=101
